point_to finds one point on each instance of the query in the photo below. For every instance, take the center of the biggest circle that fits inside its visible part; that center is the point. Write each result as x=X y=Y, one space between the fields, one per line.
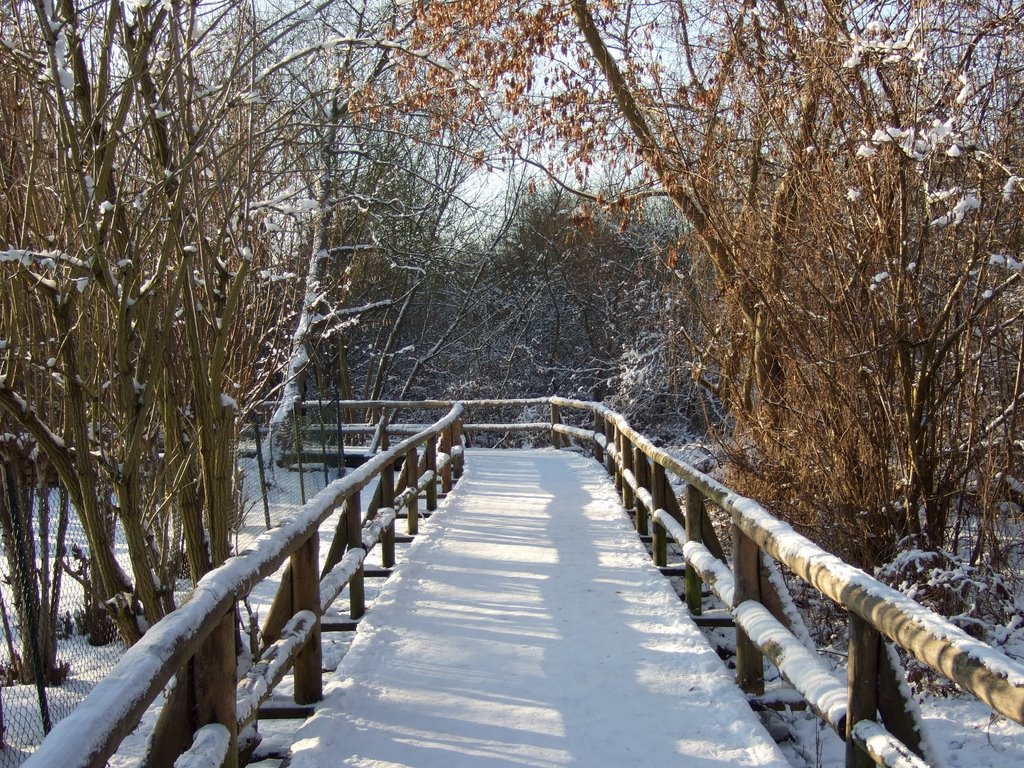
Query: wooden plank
x=714 y=621
x=642 y=470
x=626 y=452
x=339 y=626
x=175 y=724
x=598 y=424
x=339 y=543
x=556 y=439
x=214 y=681
x=862 y=686
x=659 y=489
x=776 y=598
x=270 y=668
x=286 y=711
x=356 y=587
x=746 y=571
x=281 y=609
x=609 y=452
x=902 y=718
x=672 y=570
x=430 y=451
x=306 y=597
x=387 y=500
x=412 y=507
x=763 y=703
x=446 y=469
x=458 y=457
x=694 y=512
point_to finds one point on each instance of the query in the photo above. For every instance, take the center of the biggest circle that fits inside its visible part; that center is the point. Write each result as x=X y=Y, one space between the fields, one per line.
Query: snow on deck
x=527 y=627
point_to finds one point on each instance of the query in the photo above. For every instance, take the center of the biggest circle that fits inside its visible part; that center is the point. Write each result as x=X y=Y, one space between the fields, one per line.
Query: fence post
x=446 y=447
x=387 y=500
x=354 y=525
x=611 y=440
x=457 y=461
x=746 y=568
x=861 y=685
x=598 y=425
x=214 y=678
x=626 y=452
x=556 y=418
x=431 y=451
x=694 y=511
x=412 y=507
x=659 y=487
x=643 y=479
x=306 y=597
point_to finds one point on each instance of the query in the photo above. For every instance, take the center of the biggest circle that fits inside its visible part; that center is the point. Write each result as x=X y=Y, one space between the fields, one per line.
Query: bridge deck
x=527 y=628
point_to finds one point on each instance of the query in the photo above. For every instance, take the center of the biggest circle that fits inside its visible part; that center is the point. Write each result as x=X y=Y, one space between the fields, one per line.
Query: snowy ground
x=527 y=628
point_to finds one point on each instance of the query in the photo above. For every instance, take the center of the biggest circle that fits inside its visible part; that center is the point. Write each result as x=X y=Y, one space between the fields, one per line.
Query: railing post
x=746 y=569
x=694 y=510
x=457 y=461
x=354 y=525
x=556 y=418
x=626 y=452
x=385 y=419
x=306 y=597
x=214 y=677
x=387 y=501
x=643 y=479
x=446 y=472
x=598 y=426
x=611 y=440
x=659 y=489
x=861 y=685
x=431 y=450
x=412 y=507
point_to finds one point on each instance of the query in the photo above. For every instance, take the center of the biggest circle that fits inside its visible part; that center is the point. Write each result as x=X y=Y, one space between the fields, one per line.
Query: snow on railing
x=209 y=748
x=263 y=676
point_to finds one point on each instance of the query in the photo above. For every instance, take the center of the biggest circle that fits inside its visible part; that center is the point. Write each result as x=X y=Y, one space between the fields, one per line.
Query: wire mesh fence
x=56 y=642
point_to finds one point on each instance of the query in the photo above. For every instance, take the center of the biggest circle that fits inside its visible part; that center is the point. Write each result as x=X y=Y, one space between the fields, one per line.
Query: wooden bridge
x=529 y=625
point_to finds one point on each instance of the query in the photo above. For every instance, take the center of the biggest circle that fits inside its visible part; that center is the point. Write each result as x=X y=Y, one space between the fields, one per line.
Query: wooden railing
x=196 y=643
x=866 y=709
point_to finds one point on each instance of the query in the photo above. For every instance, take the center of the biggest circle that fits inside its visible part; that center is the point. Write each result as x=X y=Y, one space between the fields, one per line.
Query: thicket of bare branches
x=848 y=175
x=134 y=143
x=195 y=192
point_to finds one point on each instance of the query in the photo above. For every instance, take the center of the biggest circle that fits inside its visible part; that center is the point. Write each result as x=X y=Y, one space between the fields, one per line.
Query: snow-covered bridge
x=526 y=625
